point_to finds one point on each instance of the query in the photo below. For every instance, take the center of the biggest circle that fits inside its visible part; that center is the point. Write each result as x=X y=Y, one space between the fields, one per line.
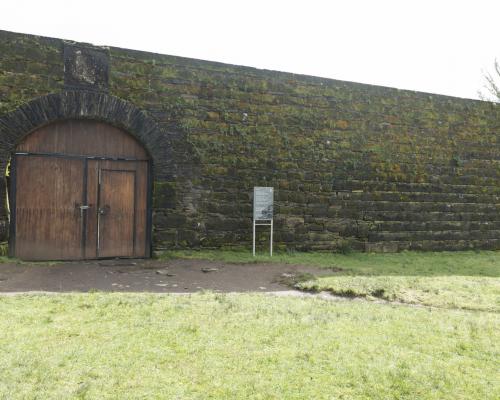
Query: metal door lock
x=103 y=210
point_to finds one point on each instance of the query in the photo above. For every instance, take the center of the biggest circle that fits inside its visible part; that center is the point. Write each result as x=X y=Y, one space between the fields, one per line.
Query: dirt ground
x=172 y=276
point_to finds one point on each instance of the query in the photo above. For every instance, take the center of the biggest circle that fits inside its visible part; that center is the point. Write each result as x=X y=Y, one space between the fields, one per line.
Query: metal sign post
x=263 y=212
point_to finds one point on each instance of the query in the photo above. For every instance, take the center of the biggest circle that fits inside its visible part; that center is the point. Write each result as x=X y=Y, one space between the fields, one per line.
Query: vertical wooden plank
x=92 y=189
x=141 y=245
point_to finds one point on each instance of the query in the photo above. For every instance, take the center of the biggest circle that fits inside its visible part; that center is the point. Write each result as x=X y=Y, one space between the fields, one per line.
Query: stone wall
x=353 y=165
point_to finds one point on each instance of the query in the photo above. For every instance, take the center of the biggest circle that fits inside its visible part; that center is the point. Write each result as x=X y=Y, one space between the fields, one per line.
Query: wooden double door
x=69 y=207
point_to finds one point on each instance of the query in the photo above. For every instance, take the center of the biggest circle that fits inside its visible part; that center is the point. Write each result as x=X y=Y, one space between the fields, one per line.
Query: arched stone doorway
x=80 y=189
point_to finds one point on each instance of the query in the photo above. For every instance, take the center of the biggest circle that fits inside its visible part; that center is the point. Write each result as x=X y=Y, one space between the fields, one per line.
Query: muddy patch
x=175 y=276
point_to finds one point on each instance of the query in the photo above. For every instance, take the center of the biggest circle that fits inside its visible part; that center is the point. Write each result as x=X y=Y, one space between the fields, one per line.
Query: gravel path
x=172 y=276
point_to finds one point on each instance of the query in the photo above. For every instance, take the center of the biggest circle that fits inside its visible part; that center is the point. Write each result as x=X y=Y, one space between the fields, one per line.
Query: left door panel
x=48 y=217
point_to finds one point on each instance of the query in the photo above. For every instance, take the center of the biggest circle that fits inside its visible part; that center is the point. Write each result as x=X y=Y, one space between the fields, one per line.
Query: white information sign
x=263 y=203
x=263 y=198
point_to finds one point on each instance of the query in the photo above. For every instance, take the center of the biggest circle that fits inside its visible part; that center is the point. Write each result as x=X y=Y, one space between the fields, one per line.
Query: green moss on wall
x=350 y=163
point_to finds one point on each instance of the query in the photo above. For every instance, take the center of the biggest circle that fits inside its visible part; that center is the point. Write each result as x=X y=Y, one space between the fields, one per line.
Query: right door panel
x=117 y=218
x=116 y=213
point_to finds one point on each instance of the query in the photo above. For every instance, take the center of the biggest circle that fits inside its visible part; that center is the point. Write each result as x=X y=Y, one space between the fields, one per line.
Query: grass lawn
x=240 y=346
x=468 y=279
x=213 y=346
x=411 y=263
x=467 y=292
